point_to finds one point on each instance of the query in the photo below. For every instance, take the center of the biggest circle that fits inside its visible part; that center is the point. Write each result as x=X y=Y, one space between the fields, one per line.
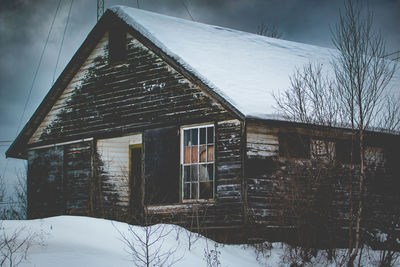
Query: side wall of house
x=286 y=191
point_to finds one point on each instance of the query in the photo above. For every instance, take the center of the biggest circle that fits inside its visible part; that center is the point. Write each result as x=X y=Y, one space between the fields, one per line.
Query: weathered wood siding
x=113 y=153
x=282 y=189
x=59 y=180
x=62 y=104
x=45 y=182
x=77 y=177
x=113 y=100
x=262 y=149
x=227 y=208
x=140 y=95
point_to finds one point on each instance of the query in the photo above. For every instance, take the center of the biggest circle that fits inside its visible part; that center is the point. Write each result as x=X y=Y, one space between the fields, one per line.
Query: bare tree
x=20 y=189
x=269 y=30
x=362 y=79
x=310 y=98
x=2 y=192
x=358 y=96
x=212 y=257
x=15 y=245
x=145 y=243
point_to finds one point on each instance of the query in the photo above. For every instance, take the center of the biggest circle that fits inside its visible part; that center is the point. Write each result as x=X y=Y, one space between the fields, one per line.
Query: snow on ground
x=84 y=241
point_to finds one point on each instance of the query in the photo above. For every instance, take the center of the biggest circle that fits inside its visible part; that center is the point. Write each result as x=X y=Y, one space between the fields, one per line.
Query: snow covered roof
x=243 y=68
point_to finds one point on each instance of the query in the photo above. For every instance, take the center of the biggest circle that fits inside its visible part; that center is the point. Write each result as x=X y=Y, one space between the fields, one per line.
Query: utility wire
x=187 y=9
x=34 y=77
x=38 y=66
x=392 y=53
x=62 y=41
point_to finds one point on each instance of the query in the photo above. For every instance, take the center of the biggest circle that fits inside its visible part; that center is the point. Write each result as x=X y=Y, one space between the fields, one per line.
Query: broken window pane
x=203 y=154
x=194 y=137
x=203 y=172
x=210 y=170
x=186 y=173
x=195 y=173
x=210 y=135
x=186 y=137
x=195 y=154
x=186 y=190
x=210 y=152
x=186 y=155
x=194 y=191
x=202 y=136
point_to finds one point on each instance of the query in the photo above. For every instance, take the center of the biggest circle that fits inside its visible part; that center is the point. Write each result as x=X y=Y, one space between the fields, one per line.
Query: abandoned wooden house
x=174 y=120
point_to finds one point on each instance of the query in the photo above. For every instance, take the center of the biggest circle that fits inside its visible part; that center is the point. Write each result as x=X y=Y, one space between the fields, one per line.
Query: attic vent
x=116 y=46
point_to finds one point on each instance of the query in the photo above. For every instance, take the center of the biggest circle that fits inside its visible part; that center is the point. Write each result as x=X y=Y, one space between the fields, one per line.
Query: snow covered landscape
x=84 y=241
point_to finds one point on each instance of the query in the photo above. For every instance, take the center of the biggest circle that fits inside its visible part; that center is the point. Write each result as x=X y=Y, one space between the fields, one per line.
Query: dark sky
x=24 y=25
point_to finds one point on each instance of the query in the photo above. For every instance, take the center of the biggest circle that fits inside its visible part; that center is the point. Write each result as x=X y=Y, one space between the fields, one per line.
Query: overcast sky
x=24 y=25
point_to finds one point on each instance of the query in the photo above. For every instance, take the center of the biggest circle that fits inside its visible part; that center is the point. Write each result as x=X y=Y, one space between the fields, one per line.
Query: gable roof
x=243 y=68
x=239 y=68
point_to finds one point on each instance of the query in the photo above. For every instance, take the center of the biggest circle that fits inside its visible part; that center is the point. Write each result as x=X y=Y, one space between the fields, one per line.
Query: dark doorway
x=136 y=192
x=161 y=153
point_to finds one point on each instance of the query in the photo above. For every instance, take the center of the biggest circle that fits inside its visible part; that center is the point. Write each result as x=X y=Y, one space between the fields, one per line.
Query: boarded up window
x=161 y=167
x=117 y=45
x=294 y=145
x=198 y=162
x=374 y=156
x=322 y=149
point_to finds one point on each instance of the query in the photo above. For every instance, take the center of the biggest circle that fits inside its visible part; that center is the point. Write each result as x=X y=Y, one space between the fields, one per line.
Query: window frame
x=182 y=164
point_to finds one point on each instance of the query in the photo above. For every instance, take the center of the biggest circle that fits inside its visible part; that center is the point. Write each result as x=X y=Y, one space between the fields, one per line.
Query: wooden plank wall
x=77 y=173
x=106 y=102
x=262 y=149
x=227 y=209
x=59 y=180
x=45 y=182
x=142 y=92
x=272 y=178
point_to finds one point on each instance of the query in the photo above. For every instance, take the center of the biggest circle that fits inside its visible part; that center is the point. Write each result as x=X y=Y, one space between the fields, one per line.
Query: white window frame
x=182 y=164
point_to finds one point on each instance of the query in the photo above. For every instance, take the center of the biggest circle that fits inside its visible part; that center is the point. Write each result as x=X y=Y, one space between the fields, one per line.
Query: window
x=322 y=149
x=116 y=46
x=374 y=156
x=293 y=145
x=197 y=162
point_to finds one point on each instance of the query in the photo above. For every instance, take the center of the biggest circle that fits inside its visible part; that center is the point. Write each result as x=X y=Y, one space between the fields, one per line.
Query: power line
x=62 y=40
x=392 y=53
x=34 y=77
x=38 y=66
